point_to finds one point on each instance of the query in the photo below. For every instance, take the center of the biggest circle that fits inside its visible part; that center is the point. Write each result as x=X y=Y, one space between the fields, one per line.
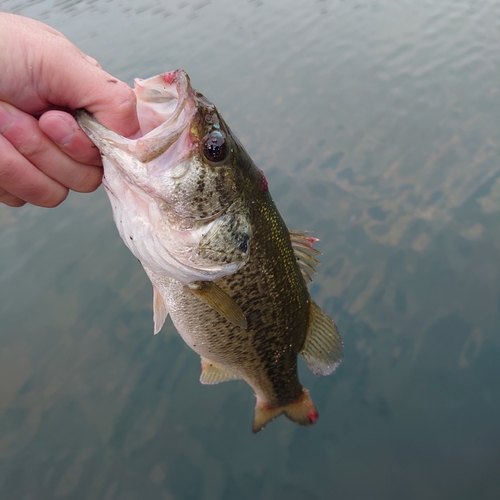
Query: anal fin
x=160 y=311
x=220 y=301
x=322 y=351
x=214 y=373
x=301 y=411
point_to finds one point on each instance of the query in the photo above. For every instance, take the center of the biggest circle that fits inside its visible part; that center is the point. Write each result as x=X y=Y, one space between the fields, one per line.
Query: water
x=377 y=124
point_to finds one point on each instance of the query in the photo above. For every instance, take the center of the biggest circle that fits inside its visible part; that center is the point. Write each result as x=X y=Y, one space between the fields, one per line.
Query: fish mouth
x=161 y=100
x=165 y=108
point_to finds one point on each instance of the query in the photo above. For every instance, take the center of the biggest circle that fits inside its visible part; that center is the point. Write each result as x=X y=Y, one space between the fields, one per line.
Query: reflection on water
x=377 y=124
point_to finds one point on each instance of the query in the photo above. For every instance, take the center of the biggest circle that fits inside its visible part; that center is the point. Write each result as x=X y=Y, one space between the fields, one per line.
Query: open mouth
x=164 y=112
x=161 y=100
x=165 y=108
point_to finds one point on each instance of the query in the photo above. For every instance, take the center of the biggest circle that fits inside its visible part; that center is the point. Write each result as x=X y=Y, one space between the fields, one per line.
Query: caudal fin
x=302 y=411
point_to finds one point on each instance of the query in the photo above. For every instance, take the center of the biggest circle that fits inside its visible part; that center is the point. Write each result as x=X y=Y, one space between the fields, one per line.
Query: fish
x=193 y=208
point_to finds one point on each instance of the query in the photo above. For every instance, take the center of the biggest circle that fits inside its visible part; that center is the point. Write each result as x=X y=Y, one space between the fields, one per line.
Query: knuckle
x=8 y=167
x=31 y=147
x=27 y=183
x=25 y=136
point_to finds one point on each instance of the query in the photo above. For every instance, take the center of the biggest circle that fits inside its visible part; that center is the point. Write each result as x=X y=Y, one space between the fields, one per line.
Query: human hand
x=44 y=75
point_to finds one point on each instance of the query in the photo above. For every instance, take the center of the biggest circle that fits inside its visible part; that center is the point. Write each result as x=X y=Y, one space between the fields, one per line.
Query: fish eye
x=214 y=147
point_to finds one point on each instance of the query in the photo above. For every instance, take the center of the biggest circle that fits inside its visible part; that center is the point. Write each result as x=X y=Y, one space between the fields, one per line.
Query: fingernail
x=5 y=120
x=62 y=132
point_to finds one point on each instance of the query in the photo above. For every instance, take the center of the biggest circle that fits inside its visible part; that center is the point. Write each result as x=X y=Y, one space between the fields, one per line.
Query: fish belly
x=269 y=366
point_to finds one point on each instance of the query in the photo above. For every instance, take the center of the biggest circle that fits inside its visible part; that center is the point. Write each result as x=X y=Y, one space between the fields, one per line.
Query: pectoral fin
x=160 y=311
x=322 y=351
x=214 y=373
x=217 y=299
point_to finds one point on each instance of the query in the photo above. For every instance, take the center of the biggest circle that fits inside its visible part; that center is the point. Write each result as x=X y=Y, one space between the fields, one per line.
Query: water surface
x=378 y=127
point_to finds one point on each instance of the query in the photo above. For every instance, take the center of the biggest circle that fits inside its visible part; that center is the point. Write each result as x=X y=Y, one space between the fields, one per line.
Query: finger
x=23 y=180
x=85 y=85
x=55 y=72
x=63 y=129
x=121 y=116
x=9 y=199
x=25 y=135
x=92 y=61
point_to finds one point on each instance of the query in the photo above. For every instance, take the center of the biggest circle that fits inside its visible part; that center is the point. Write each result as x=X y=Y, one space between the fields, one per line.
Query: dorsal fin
x=214 y=373
x=322 y=351
x=304 y=252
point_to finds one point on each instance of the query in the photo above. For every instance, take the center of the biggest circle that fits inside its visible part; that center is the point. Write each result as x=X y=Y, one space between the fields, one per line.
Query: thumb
x=86 y=85
x=114 y=106
x=63 y=76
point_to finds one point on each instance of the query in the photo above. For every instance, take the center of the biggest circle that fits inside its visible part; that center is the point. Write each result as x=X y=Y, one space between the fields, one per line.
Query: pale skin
x=44 y=77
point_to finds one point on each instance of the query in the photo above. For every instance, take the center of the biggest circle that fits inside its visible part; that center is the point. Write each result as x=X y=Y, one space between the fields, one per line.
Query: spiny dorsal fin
x=304 y=252
x=160 y=311
x=214 y=373
x=323 y=346
x=217 y=299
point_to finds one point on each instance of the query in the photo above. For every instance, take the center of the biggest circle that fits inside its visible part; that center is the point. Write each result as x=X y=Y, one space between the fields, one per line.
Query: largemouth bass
x=191 y=205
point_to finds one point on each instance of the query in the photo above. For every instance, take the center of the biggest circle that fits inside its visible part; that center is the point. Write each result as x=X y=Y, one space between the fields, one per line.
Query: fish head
x=177 y=182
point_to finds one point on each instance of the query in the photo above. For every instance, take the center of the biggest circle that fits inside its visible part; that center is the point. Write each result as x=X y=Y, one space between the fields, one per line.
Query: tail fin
x=302 y=411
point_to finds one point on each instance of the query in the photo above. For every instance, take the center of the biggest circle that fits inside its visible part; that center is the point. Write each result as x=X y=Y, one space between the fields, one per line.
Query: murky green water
x=378 y=126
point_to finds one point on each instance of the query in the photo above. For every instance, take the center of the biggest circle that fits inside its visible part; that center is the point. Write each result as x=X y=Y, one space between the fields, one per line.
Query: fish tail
x=302 y=411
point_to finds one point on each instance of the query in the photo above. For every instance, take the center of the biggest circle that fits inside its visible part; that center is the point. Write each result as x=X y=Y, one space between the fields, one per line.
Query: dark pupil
x=215 y=147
